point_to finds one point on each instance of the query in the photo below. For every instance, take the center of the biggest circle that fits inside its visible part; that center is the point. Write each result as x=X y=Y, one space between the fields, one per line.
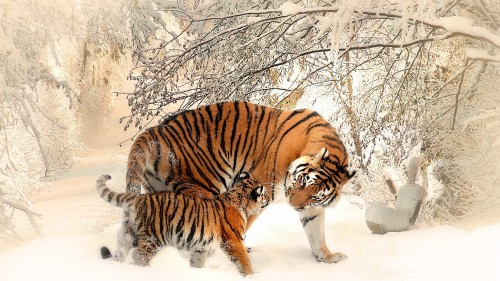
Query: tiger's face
x=315 y=180
x=249 y=194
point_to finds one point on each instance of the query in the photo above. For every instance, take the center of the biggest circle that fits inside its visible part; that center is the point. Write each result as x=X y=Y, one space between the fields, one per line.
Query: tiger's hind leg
x=136 y=180
x=313 y=221
x=144 y=175
x=123 y=247
x=198 y=258
x=126 y=240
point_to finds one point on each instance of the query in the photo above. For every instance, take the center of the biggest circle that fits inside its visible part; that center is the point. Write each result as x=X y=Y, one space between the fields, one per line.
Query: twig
x=457 y=97
x=28 y=213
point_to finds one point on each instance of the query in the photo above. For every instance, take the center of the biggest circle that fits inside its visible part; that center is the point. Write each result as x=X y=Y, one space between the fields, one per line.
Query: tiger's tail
x=123 y=200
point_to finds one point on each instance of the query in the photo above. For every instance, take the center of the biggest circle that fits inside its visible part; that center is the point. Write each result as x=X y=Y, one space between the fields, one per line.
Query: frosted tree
x=32 y=120
x=467 y=156
x=50 y=75
x=243 y=50
x=29 y=34
x=397 y=74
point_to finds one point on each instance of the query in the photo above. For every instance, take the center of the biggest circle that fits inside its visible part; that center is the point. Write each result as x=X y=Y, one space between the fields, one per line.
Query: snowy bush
x=467 y=156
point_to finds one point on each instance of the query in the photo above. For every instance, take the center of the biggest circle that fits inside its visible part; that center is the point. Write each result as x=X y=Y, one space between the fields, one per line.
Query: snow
x=496 y=142
x=288 y=9
x=390 y=174
x=456 y=23
x=462 y=25
x=480 y=116
x=252 y=20
x=480 y=55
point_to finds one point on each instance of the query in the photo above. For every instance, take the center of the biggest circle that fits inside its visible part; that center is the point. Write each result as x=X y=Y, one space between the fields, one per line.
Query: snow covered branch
x=481 y=55
x=218 y=52
x=7 y=226
x=453 y=25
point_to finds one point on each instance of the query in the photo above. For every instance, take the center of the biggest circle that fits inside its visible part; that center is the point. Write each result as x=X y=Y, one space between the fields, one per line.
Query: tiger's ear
x=322 y=155
x=256 y=192
x=350 y=174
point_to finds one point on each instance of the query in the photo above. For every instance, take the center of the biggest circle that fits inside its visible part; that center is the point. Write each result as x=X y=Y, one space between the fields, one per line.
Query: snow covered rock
x=409 y=199
x=381 y=219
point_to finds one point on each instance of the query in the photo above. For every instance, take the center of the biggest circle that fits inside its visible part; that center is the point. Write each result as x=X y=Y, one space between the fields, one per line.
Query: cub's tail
x=123 y=200
x=105 y=253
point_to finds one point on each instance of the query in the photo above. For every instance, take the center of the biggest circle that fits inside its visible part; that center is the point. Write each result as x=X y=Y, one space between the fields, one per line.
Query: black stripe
x=209 y=113
x=227 y=222
x=248 y=137
x=218 y=118
x=317 y=125
x=204 y=217
x=158 y=148
x=186 y=125
x=309 y=116
x=301 y=167
x=223 y=136
x=306 y=220
x=232 y=147
x=235 y=154
x=196 y=125
x=166 y=206
x=333 y=138
x=330 y=199
x=180 y=224
x=161 y=215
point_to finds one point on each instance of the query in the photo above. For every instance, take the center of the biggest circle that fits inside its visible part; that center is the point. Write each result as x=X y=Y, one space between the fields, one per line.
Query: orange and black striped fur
x=189 y=223
x=297 y=151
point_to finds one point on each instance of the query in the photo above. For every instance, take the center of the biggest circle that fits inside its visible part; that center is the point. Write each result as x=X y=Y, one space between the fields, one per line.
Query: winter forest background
x=397 y=78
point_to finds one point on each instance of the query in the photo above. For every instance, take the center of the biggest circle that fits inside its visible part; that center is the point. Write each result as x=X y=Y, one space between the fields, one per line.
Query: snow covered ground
x=76 y=223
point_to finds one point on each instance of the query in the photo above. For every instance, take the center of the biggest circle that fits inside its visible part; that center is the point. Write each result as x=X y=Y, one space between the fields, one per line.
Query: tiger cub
x=190 y=223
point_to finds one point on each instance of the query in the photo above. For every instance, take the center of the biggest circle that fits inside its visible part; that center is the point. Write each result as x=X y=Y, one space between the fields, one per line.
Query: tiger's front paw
x=332 y=258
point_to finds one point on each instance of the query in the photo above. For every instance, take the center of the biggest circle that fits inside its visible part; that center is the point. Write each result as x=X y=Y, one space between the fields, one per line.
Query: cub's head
x=248 y=194
x=315 y=180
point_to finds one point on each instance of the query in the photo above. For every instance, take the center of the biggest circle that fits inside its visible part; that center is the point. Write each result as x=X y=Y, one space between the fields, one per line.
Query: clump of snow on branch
x=475 y=54
x=289 y=8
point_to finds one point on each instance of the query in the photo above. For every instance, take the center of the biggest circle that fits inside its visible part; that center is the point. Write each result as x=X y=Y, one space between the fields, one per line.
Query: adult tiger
x=297 y=151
